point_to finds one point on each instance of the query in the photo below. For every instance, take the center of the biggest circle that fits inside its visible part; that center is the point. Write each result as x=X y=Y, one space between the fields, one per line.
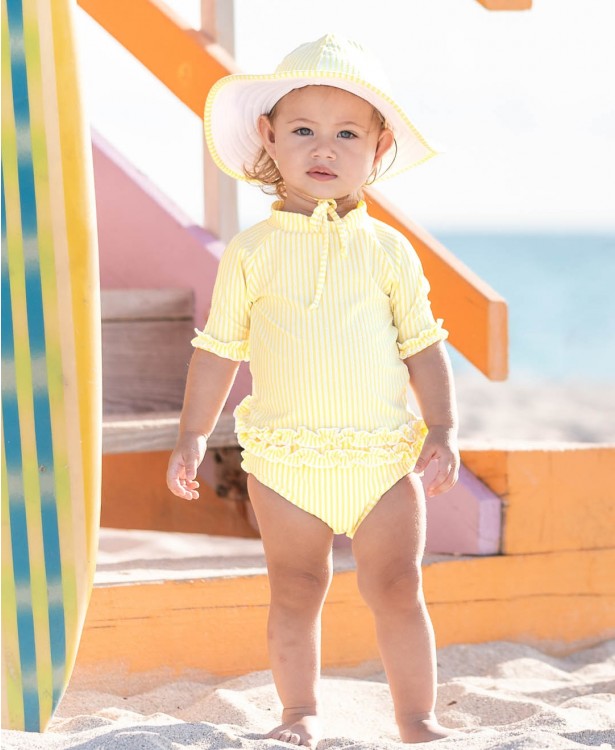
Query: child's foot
x=422 y=728
x=298 y=728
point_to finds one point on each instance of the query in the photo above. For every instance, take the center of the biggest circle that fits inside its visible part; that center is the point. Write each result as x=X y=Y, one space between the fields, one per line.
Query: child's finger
x=191 y=464
x=425 y=456
x=444 y=479
x=191 y=490
x=177 y=481
x=186 y=490
x=179 y=489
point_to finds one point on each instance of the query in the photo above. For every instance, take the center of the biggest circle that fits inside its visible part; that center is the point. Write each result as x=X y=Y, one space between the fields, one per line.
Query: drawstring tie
x=319 y=222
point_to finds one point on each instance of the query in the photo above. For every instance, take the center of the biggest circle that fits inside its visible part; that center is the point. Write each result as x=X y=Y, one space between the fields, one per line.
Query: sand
x=531 y=409
x=498 y=695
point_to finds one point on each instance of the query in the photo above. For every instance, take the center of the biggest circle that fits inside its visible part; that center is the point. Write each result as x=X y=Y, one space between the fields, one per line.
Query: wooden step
x=157 y=431
x=146 y=349
x=188 y=613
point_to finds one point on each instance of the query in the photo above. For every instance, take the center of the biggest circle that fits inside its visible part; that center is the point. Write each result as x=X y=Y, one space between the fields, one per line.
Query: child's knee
x=391 y=590
x=299 y=589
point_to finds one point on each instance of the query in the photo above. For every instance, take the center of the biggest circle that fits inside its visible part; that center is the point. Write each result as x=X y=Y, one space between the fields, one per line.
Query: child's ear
x=385 y=140
x=267 y=134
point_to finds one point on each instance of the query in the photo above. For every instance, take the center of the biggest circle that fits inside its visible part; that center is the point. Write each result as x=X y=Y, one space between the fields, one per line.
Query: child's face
x=326 y=142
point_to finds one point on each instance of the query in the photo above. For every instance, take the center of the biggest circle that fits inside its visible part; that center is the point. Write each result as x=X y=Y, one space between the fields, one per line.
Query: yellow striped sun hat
x=235 y=103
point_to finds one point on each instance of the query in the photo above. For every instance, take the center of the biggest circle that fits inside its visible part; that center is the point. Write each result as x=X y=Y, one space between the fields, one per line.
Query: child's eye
x=346 y=134
x=303 y=131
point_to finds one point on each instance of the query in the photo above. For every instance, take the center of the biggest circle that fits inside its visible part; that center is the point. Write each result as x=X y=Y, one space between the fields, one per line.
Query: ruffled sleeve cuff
x=423 y=340
x=239 y=351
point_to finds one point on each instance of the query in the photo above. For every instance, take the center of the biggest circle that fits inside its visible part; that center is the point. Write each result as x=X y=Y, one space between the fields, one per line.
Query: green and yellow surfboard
x=51 y=372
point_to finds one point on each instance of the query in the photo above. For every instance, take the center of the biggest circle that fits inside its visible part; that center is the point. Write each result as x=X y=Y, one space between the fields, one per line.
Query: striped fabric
x=50 y=362
x=334 y=54
x=325 y=309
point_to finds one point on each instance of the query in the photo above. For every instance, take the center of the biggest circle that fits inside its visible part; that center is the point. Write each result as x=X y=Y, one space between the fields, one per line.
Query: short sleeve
x=412 y=315
x=227 y=330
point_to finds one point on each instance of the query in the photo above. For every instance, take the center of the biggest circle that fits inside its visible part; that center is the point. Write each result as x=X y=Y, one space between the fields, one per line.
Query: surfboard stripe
x=12 y=623
x=70 y=484
x=17 y=411
x=81 y=232
x=24 y=672
x=45 y=571
x=12 y=699
x=54 y=484
x=52 y=404
x=58 y=326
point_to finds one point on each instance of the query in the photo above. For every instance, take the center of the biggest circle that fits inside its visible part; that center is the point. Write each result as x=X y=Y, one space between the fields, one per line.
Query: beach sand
x=533 y=409
x=504 y=696
x=498 y=695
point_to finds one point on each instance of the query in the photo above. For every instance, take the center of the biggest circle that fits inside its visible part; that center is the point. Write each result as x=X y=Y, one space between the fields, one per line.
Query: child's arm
x=209 y=382
x=431 y=379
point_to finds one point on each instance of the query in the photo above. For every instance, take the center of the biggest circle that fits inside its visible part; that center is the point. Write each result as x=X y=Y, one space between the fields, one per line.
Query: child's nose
x=323 y=149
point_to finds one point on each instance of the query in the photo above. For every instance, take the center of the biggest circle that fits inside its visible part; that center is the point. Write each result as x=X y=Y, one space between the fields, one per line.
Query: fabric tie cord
x=319 y=222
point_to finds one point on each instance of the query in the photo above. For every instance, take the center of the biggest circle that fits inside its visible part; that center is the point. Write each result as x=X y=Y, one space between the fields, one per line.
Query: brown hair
x=265 y=171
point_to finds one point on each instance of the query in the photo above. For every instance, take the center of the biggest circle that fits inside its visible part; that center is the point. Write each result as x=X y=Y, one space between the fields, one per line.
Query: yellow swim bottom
x=340 y=496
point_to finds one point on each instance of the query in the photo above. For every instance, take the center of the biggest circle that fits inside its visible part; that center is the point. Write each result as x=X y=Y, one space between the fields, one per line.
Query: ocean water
x=560 y=290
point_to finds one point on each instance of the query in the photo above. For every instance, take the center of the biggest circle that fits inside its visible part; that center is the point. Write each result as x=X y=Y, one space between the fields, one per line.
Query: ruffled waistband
x=329 y=447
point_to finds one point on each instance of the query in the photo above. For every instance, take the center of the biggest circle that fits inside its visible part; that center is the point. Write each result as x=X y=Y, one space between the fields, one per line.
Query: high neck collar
x=296 y=222
x=324 y=221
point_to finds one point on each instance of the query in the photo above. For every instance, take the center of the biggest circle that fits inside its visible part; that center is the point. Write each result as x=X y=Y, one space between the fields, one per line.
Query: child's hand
x=183 y=464
x=440 y=445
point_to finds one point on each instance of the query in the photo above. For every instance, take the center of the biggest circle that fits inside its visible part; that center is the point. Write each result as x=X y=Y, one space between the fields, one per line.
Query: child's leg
x=298 y=551
x=388 y=548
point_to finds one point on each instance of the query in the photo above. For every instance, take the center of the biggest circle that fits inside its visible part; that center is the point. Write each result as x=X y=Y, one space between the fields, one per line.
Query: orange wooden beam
x=506 y=4
x=185 y=60
x=189 y=64
x=555 y=600
x=475 y=315
x=152 y=506
x=556 y=499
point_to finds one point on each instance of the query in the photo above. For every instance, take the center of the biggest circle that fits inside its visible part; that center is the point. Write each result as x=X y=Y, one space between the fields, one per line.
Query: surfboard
x=51 y=372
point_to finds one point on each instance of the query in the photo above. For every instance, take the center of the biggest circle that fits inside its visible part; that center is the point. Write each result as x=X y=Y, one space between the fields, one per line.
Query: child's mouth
x=323 y=175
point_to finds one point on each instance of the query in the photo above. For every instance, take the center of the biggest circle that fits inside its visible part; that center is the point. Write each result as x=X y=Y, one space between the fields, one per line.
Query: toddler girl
x=330 y=307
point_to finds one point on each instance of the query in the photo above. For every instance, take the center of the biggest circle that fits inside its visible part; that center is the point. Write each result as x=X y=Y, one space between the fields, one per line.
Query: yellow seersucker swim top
x=325 y=309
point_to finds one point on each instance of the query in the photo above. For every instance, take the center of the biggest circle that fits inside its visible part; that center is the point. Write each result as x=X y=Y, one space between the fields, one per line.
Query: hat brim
x=235 y=103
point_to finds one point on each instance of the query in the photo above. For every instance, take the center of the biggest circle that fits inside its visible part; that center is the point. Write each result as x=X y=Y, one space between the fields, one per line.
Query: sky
x=522 y=104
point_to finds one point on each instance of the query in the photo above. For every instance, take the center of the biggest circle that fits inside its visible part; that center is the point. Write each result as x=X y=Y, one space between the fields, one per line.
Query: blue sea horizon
x=561 y=299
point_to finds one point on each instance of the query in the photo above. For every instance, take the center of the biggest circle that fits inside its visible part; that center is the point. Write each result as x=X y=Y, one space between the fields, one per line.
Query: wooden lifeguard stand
x=192 y=61
x=515 y=591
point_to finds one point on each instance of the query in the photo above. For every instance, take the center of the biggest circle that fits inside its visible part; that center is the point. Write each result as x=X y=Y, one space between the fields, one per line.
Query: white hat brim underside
x=234 y=142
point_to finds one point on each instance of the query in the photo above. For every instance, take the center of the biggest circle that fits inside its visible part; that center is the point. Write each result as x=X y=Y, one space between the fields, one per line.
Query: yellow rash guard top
x=325 y=310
